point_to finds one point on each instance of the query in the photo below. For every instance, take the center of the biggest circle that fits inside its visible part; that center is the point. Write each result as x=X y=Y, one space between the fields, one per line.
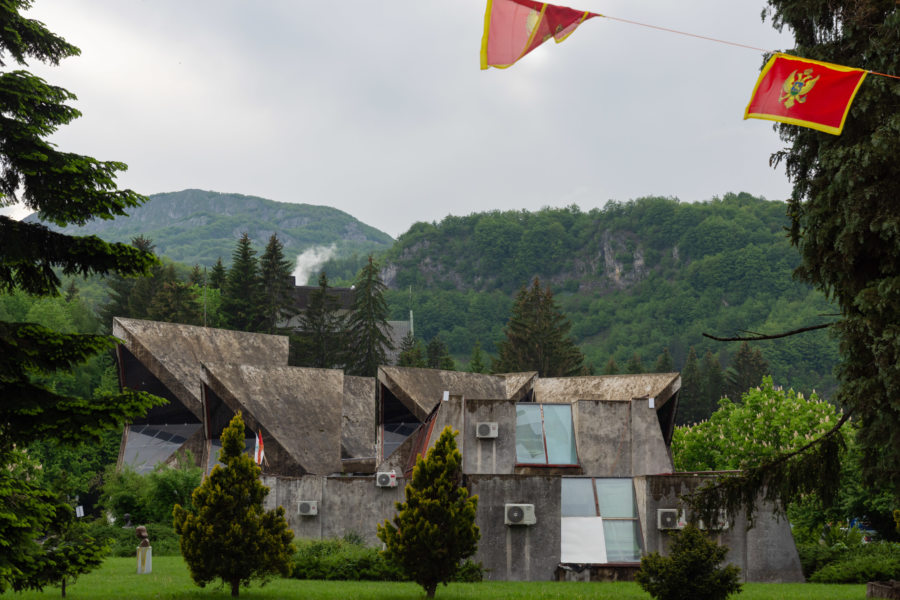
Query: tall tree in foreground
x=276 y=287
x=367 y=327
x=228 y=535
x=64 y=188
x=434 y=530
x=537 y=337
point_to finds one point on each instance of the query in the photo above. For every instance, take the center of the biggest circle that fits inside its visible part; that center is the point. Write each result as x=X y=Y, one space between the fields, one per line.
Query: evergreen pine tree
x=276 y=286
x=411 y=352
x=228 y=535
x=121 y=288
x=712 y=384
x=537 y=337
x=322 y=328
x=65 y=188
x=197 y=276
x=218 y=275
x=434 y=529
x=476 y=361
x=176 y=303
x=634 y=365
x=437 y=355
x=611 y=367
x=367 y=326
x=241 y=296
x=664 y=363
x=690 y=398
x=746 y=371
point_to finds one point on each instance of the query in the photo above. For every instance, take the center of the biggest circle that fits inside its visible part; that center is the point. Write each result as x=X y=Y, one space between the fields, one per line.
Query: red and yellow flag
x=513 y=28
x=805 y=92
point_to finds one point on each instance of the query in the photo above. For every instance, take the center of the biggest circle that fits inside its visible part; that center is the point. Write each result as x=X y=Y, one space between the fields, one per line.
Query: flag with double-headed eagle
x=513 y=28
x=805 y=92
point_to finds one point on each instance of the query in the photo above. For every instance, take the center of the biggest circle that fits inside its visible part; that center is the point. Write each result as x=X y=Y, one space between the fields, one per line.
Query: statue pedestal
x=144 y=559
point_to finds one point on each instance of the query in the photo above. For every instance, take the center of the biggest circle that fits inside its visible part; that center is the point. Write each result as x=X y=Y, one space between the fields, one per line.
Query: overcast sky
x=380 y=109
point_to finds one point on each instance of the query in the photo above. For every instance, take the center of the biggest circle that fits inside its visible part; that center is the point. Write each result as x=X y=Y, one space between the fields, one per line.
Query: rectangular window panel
x=581 y=540
x=529 y=435
x=622 y=540
x=560 y=434
x=616 y=498
x=578 y=498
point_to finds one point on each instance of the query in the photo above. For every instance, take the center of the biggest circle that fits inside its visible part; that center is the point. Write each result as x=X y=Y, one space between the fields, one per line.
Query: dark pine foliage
x=368 y=343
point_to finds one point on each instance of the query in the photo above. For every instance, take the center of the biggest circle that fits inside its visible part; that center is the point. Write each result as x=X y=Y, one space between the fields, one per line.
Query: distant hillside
x=633 y=277
x=198 y=227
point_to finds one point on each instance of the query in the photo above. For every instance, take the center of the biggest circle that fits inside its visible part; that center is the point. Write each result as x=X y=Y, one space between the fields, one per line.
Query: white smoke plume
x=310 y=260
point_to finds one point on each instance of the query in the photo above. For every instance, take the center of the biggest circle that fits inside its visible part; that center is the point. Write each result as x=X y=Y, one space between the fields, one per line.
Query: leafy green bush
x=122 y=541
x=690 y=571
x=349 y=559
x=840 y=563
x=859 y=569
x=150 y=498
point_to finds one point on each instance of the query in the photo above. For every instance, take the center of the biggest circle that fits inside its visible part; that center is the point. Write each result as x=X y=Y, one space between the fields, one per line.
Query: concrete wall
x=603 y=437
x=489 y=456
x=517 y=552
x=765 y=553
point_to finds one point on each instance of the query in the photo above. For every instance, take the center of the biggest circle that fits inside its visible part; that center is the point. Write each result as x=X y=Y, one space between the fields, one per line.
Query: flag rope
x=712 y=39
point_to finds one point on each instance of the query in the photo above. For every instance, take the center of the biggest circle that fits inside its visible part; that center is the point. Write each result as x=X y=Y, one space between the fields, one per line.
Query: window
x=599 y=521
x=545 y=435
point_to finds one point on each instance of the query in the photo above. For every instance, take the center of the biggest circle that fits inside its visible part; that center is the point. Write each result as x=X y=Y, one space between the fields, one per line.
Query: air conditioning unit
x=308 y=508
x=721 y=522
x=487 y=430
x=519 y=514
x=670 y=518
x=386 y=479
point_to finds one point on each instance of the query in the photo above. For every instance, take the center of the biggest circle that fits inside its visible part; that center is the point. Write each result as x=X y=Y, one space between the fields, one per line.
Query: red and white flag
x=259 y=454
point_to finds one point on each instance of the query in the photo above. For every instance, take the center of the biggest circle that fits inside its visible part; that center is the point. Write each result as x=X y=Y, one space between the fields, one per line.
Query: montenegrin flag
x=805 y=92
x=513 y=28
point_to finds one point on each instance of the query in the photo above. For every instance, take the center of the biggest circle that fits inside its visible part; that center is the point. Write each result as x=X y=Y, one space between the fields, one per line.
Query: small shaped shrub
x=690 y=571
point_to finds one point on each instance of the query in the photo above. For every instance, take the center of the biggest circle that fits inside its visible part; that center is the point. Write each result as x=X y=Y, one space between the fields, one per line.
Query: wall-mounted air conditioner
x=386 y=479
x=519 y=514
x=487 y=429
x=720 y=523
x=670 y=518
x=308 y=508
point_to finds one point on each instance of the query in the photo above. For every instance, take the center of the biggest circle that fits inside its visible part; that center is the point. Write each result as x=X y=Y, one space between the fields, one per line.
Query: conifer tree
x=241 y=296
x=197 y=276
x=712 y=385
x=476 y=361
x=411 y=352
x=434 y=529
x=218 y=275
x=611 y=367
x=322 y=328
x=176 y=303
x=228 y=535
x=664 y=363
x=276 y=286
x=367 y=326
x=537 y=337
x=634 y=365
x=747 y=369
x=437 y=355
x=64 y=188
x=690 y=398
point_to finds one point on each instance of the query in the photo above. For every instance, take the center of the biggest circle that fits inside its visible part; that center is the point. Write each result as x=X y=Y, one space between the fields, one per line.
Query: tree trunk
x=430 y=589
x=235 y=587
x=62 y=587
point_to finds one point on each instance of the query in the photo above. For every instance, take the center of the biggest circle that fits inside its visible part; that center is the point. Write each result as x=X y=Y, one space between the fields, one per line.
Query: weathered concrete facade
x=570 y=472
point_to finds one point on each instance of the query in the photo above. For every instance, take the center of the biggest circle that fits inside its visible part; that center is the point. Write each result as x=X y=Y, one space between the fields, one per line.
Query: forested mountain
x=634 y=278
x=198 y=227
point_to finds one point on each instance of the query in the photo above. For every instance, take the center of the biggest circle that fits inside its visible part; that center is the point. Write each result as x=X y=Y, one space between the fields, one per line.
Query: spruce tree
x=664 y=363
x=411 y=352
x=276 y=286
x=611 y=367
x=437 y=355
x=241 y=297
x=537 y=337
x=228 y=535
x=434 y=529
x=747 y=369
x=64 y=188
x=712 y=384
x=634 y=365
x=322 y=328
x=690 y=398
x=367 y=327
x=476 y=361
x=176 y=303
x=218 y=275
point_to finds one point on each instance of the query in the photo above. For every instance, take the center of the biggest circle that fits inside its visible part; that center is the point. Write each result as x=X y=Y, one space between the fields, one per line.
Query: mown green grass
x=117 y=579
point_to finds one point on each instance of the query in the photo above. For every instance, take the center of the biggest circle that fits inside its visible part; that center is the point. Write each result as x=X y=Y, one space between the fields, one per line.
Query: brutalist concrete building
x=574 y=475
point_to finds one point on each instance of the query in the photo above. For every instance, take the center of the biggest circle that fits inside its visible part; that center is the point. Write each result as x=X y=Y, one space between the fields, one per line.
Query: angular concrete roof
x=174 y=352
x=661 y=386
x=300 y=408
x=420 y=390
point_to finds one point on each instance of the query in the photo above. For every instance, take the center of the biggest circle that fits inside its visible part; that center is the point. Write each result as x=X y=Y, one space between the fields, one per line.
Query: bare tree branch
x=760 y=336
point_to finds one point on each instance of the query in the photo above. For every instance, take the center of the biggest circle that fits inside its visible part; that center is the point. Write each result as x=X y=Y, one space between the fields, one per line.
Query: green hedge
x=350 y=560
x=855 y=564
x=123 y=541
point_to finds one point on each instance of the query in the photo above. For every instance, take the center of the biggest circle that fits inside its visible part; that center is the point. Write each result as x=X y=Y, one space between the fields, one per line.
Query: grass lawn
x=117 y=579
